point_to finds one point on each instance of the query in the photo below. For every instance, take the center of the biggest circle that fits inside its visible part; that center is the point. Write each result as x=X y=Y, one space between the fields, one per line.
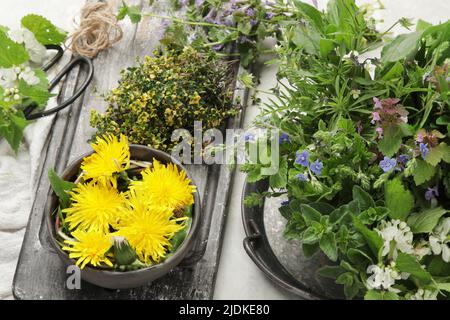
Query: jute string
x=98 y=30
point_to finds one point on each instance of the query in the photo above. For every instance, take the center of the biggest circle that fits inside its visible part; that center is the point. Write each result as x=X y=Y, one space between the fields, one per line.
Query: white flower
x=36 y=50
x=397 y=234
x=439 y=240
x=7 y=77
x=421 y=249
x=28 y=75
x=355 y=93
x=370 y=68
x=351 y=54
x=424 y=295
x=382 y=278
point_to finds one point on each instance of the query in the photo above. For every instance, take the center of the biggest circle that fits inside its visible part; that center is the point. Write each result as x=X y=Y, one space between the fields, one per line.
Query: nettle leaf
x=381 y=295
x=438 y=153
x=279 y=180
x=12 y=53
x=133 y=12
x=328 y=245
x=423 y=172
x=61 y=188
x=364 y=199
x=403 y=46
x=372 y=238
x=12 y=127
x=399 y=200
x=44 y=31
x=392 y=140
x=408 y=263
x=425 y=221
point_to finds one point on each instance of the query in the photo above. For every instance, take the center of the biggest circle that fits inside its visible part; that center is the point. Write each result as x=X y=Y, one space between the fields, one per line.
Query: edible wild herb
x=166 y=92
x=22 y=83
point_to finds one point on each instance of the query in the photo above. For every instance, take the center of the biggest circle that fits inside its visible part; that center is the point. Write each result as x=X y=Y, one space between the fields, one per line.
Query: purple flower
x=270 y=15
x=377 y=102
x=424 y=149
x=316 y=167
x=388 y=164
x=432 y=193
x=284 y=138
x=302 y=158
x=210 y=17
x=218 y=47
x=420 y=137
x=250 y=12
x=379 y=131
x=375 y=117
x=253 y=22
x=285 y=203
x=403 y=158
x=249 y=137
x=301 y=177
x=198 y=3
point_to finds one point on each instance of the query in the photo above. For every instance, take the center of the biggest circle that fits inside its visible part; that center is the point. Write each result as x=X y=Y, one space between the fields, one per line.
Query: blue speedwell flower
x=249 y=137
x=388 y=164
x=302 y=158
x=424 y=149
x=432 y=193
x=301 y=177
x=316 y=167
x=284 y=138
x=403 y=158
x=285 y=203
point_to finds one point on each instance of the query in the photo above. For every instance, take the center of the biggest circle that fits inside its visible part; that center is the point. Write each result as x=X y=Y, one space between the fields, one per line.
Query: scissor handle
x=56 y=58
x=55 y=81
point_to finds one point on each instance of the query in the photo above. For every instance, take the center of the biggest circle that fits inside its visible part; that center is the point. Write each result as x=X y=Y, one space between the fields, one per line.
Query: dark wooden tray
x=40 y=274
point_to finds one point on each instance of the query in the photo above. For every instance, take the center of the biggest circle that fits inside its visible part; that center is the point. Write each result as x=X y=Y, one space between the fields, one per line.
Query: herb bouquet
x=121 y=214
x=365 y=153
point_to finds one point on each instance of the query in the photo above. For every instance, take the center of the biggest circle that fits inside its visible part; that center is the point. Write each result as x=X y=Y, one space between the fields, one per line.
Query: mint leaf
x=279 y=180
x=364 y=199
x=61 y=188
x=399 y=200
x=309 y=213
x=423 y=172
x=372 y=238
x=12 y=53
x=392 y=139
x=328 y=245
x=408 y=263
x=401 y=47
x=44 y=31
x=425 y=221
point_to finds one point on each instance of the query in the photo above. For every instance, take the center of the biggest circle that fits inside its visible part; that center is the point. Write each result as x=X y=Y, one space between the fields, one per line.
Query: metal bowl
x=140 y=277
x=282 y=260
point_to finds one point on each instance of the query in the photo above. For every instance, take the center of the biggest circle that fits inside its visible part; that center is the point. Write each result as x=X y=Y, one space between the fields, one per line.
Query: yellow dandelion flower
x=166 y=186
x=89 y=248
x=110 y=156
x=148 y=230
x=94 y=207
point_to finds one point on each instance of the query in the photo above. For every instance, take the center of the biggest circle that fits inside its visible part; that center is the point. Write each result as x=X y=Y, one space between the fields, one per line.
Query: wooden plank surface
x=40 y=274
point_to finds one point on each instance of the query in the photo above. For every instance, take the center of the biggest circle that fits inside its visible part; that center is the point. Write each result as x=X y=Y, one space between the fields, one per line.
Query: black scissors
x=28 y=112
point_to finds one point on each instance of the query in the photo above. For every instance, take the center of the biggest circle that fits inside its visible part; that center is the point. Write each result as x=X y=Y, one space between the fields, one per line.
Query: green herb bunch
x=23 y=85
x=166 y=92
x=364 y=146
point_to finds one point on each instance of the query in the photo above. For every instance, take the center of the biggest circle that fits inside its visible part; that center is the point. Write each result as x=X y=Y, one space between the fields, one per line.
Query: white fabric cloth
x=18 y=177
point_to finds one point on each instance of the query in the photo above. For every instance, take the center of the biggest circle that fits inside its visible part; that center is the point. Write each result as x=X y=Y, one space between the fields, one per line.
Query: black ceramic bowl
x=137 y=278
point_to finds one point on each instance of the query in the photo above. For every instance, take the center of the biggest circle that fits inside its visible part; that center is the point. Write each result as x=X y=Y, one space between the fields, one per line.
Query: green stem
x=192 y=23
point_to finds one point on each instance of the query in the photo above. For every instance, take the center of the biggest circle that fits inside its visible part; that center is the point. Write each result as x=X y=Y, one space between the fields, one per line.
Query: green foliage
x=167 y=92
x=399 y=200
x=44 y=31
x=425 y=221
x=61 y=188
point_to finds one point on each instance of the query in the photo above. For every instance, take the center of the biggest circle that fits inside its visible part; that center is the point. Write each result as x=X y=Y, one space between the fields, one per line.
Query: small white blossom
x=28 y=76
x=36 y=51
x=424 y=295
x=440 y=241
x=398 y=234
x=7 y=77
x=422 y=249
x=382 y=278
x=355 y=93
x=351 y=54
x=370 y=68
